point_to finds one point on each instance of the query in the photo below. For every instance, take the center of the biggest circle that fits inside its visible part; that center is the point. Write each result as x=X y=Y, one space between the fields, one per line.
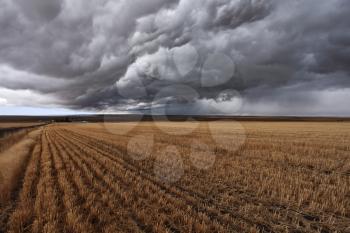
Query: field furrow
x=173 y=194
x=23 y=215
x=16 y=164
x=103 y=210
x=74 y=212
x=127 y=184
x=48 y=202
x=198 y=202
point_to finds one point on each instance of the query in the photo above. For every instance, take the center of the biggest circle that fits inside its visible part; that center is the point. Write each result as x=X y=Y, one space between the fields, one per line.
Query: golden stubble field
x=178 y=177
x=18 y=124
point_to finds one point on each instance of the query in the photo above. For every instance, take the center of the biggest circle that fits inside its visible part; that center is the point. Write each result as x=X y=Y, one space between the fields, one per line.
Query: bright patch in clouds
x=3 y=102
x=26 y=98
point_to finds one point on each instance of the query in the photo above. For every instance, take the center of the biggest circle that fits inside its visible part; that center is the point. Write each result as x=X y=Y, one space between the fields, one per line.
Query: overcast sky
x=260 y=57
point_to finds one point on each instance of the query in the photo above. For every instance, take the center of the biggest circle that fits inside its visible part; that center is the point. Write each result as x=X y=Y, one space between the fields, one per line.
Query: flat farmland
x=17 y=124
x=223 y=176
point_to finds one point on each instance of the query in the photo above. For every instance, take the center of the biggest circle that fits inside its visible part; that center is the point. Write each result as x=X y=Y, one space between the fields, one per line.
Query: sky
x=237 y=57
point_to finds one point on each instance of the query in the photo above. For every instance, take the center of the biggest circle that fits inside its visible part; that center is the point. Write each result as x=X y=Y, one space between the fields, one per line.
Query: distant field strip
x=7 y=129
x=286 y=177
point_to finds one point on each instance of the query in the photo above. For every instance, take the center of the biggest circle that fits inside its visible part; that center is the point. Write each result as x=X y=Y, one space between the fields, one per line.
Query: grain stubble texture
x=286 y=177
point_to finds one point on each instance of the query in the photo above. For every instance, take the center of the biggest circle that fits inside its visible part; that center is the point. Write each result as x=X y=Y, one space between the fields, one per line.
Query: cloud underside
x=264 y=57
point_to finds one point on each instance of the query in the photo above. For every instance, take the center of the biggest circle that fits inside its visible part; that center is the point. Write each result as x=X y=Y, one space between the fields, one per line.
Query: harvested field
x=10 y=133
x=18 y=124
x=185 y=177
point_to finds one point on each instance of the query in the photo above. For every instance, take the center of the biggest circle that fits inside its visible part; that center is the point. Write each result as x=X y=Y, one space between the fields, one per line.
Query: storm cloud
x=265 y=57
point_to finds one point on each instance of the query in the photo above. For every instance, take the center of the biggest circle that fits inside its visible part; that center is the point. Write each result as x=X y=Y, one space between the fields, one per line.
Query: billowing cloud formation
x=185 y=56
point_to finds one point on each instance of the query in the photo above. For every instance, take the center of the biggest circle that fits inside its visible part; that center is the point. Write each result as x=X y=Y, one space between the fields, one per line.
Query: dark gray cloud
x=277 y=57
x=39 y=9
